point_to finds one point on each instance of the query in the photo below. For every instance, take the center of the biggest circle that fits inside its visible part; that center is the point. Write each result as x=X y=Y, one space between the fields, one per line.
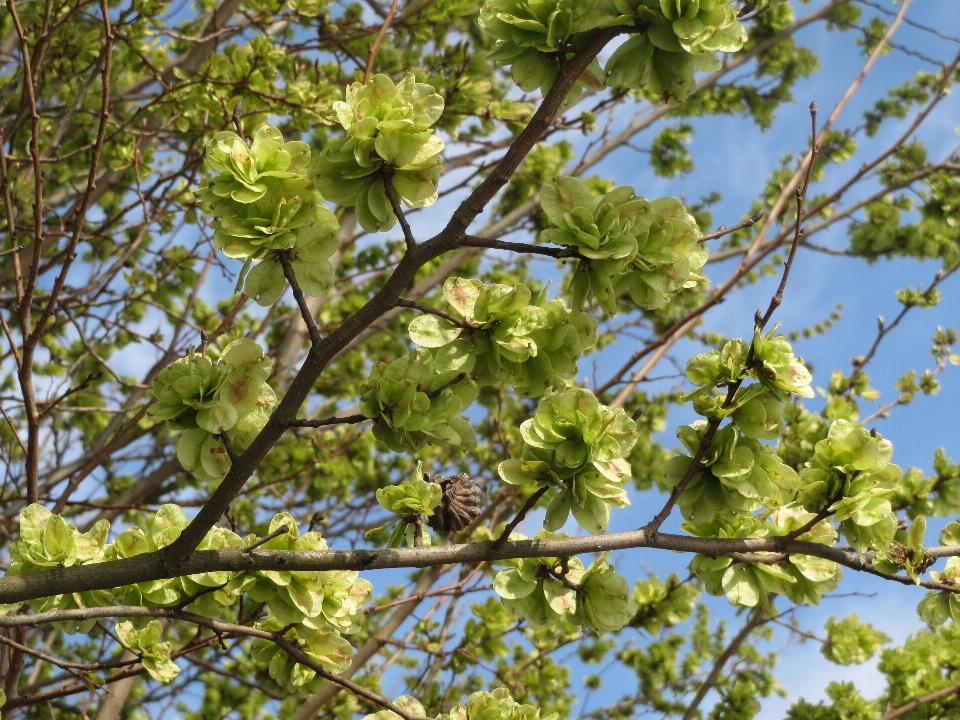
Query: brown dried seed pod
x=459 y=506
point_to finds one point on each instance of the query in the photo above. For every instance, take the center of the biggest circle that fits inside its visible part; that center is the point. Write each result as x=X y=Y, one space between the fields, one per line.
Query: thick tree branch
x=98 y=576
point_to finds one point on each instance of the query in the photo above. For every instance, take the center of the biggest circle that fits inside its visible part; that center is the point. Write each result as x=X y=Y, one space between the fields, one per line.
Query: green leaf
x=509 y=584
x=934 y=609
x=431 y=331
x=741 y=585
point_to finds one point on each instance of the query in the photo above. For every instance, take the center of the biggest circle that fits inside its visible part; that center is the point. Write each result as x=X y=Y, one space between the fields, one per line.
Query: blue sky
x=736 y=159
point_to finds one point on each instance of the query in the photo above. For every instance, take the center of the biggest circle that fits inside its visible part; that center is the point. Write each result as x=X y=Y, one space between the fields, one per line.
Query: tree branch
x=175 y=554
x=756 y=619
x=151 y=566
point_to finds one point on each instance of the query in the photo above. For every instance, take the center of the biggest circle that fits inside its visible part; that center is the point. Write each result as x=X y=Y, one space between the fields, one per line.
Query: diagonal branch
x=449 y=238
x=757 y=618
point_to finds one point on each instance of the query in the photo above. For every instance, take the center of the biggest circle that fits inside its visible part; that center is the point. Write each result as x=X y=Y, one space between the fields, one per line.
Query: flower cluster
x=512 y=336
x=851 y=474
x=533 y=36
x=580 y=447
x=212 y=396
x=671 y=40
x=264 y=203
x=387 y=139
x=413 y=404
x=625 y=243
x=494 y=705
x=543 y=591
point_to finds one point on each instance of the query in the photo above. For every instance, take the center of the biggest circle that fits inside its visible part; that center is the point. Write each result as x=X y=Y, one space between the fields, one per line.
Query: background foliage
x=489 y=331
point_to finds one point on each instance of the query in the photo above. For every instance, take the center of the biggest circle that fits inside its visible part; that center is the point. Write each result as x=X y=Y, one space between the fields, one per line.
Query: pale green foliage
x=771 y=361
x=515 y=337
x=157 y=533
x=851 y=473
x=681 y=38
x=47 y=541
x=146 y=641
x=604 y=601
x=324 y=647
x=530 y=34
x=388 y=138
x=639 y=64
x=663 y=604
x=411 y=497
x=414 y=404
x=800 y=578
x=851 y=642
x=532 y=588
x=737 y=474
x=626 y=243
x=404 y=702
x=775 y=365
x=678 y=38
x=580 y=446
x=938 y=607
x=844 y=703
x=696 y=26
x=263 y=202
x=209 y=398
x=494 y=705
x=543 y=591
x=315 y=607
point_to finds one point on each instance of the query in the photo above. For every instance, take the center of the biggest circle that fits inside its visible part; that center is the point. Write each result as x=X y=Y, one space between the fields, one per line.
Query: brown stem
x=391 y=193
x=724 y=230
x=324 y=422
x=757 y=618
x=914 y=704
x=777 y=298
x=284 y=257
x=554 y=252
x=521 y=514
x=282 y=530
x=884 y=329
x=375 y=47
x=439 y=313
x=147 y=567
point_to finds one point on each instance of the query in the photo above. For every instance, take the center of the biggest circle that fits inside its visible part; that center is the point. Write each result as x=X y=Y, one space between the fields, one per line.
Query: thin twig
x=460 y=377
x=237 y=123
x=760 y=321
x=756 y=619
x=724 y=230
x=521 y=514
x=284 y=257
x=554 y=252
x=375 y=47
x=883 y=329
x=323 y=422
x=282 y=530
x=228 y=446
x=459 y=322
x=391 y=194
x=914 y=704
